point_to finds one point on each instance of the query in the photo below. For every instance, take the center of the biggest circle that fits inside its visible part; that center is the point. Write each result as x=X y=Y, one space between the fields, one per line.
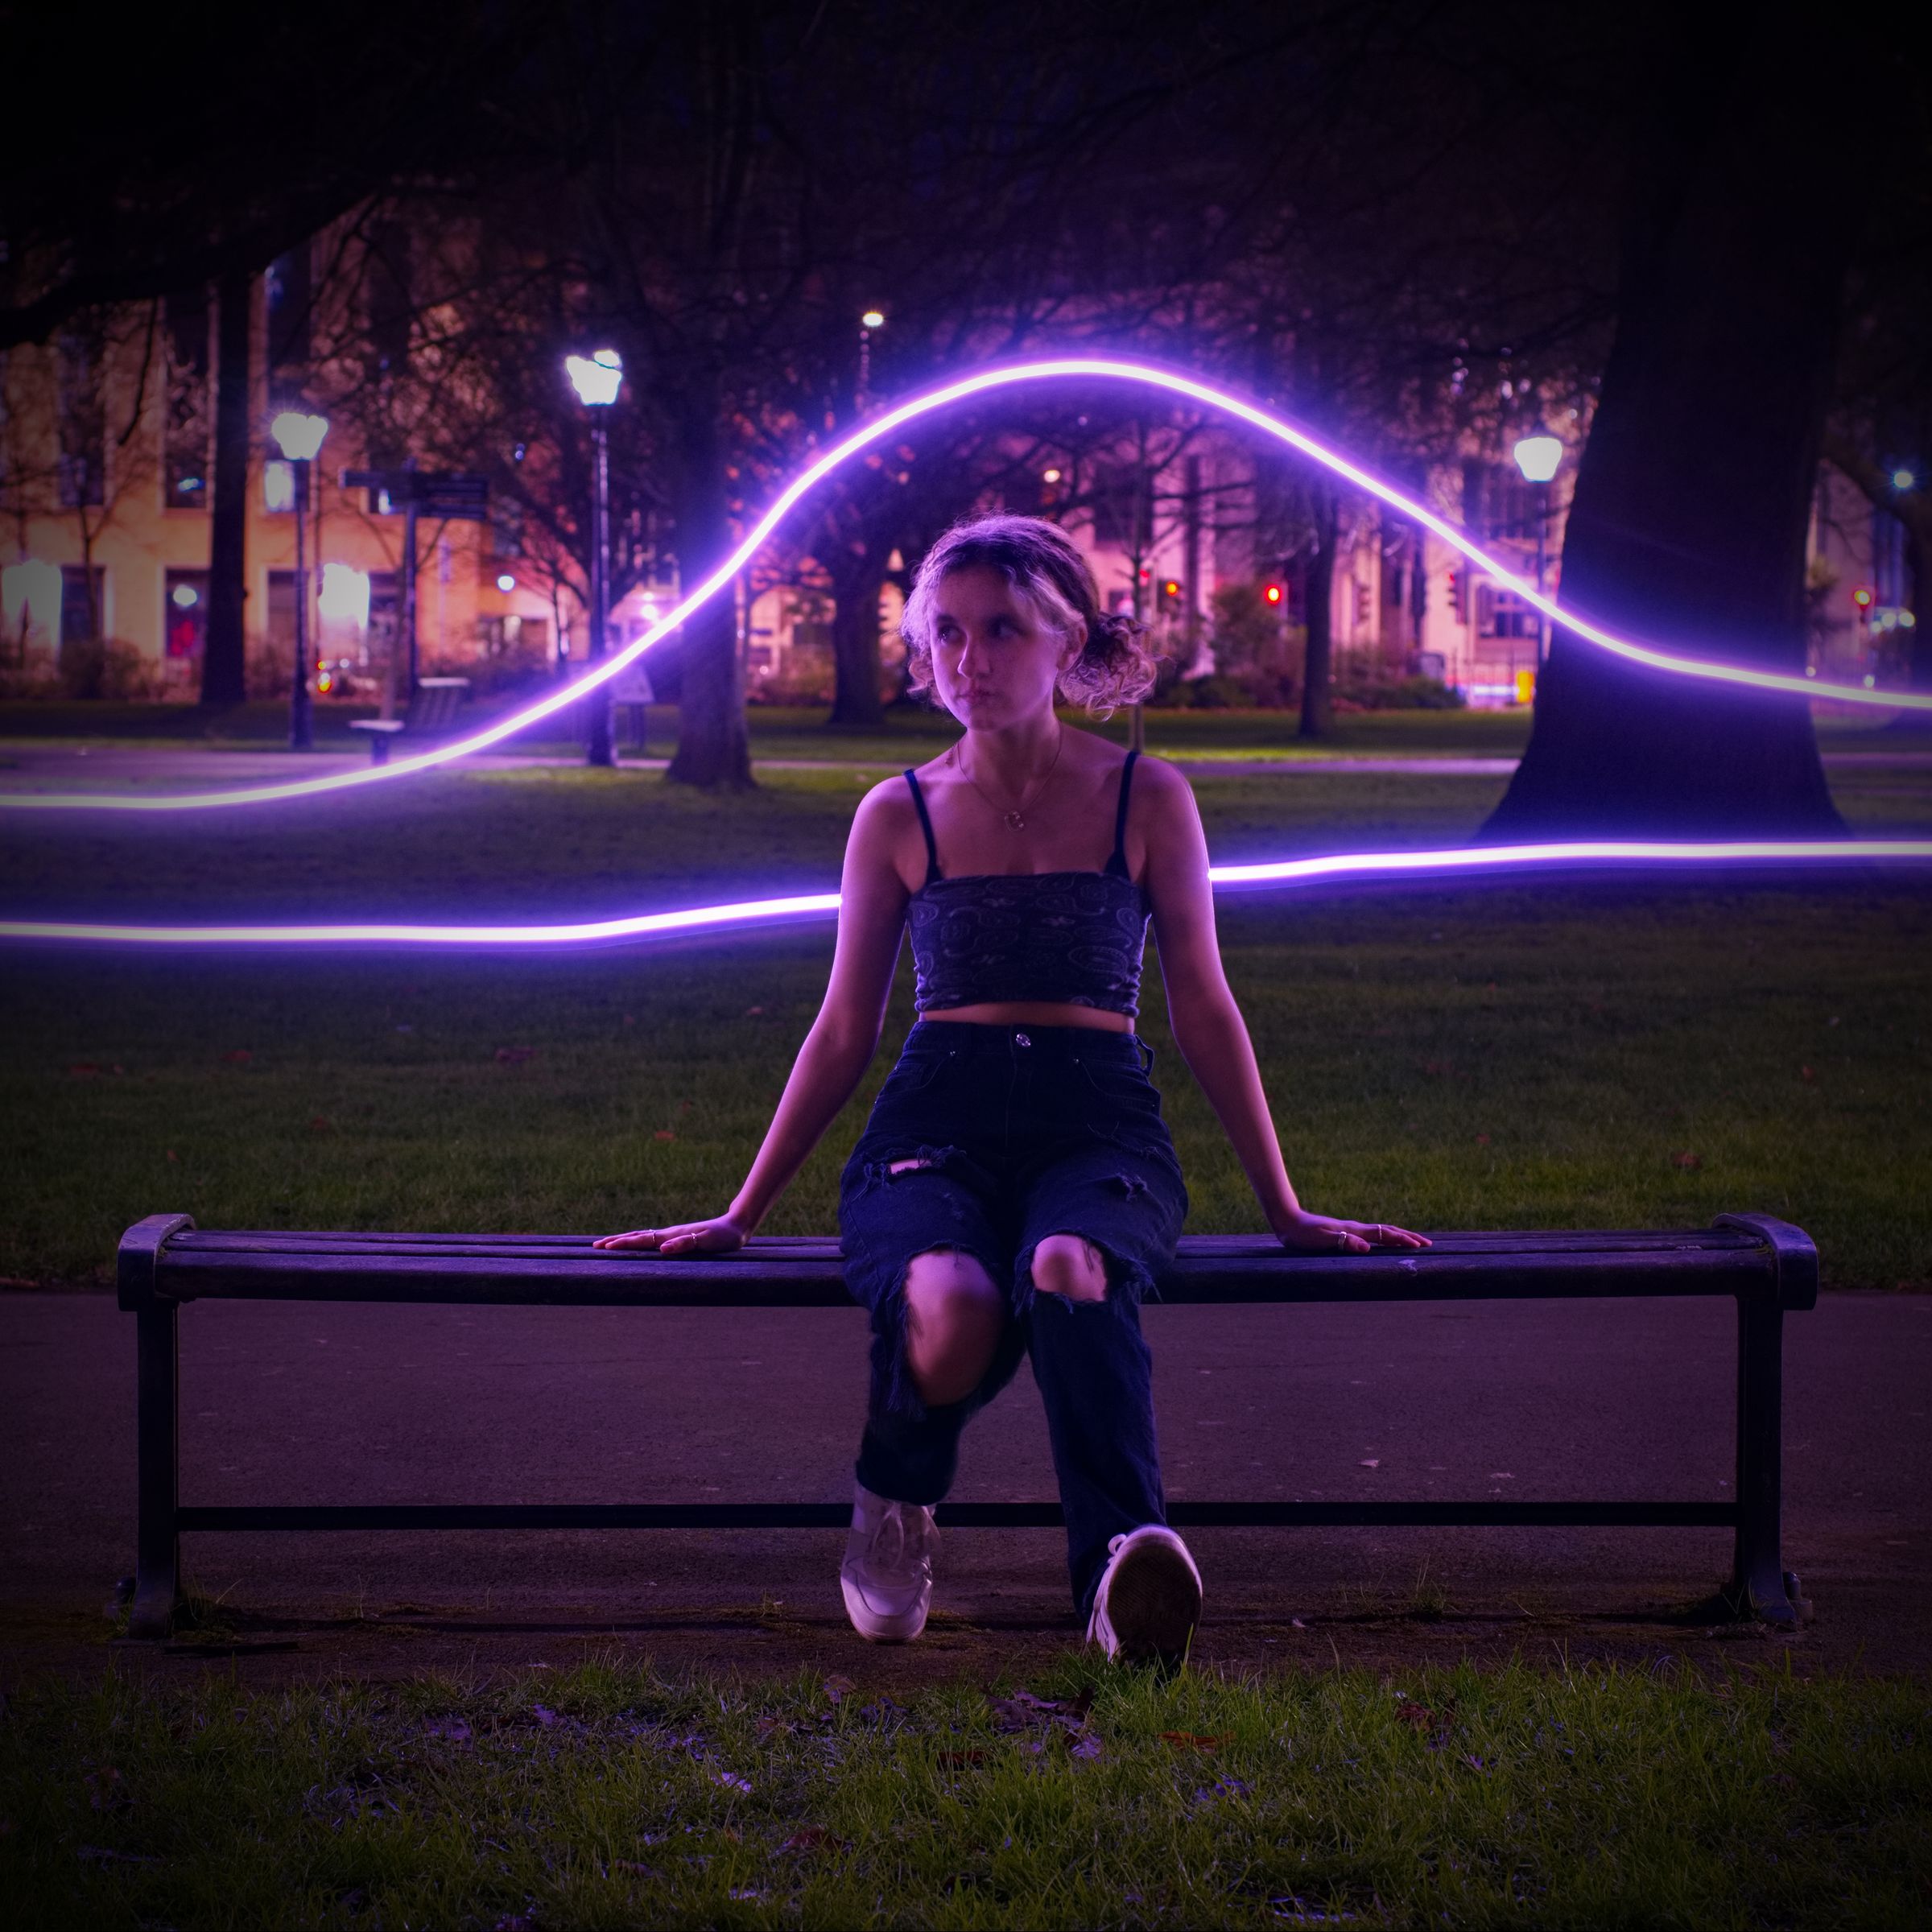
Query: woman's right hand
x=718 y=1236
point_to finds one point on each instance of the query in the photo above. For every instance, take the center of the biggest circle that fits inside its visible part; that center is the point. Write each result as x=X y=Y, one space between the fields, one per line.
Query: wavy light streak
x=1058 y=368
x=1563 y=854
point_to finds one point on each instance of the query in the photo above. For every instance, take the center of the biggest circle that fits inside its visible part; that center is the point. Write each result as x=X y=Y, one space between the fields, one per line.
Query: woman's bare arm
x=1208 y=1024
x=838 y=1048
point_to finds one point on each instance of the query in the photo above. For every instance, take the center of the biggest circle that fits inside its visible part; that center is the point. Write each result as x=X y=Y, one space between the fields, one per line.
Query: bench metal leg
x=158 y=1558
x=1757 y=1575
x=378 y=748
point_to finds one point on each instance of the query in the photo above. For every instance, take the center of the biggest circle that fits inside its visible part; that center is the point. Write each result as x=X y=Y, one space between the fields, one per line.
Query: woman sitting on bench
x=1015 y=1191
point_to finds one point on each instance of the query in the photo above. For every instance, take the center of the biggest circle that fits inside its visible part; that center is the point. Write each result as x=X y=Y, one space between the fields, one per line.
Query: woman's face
x=993 y=662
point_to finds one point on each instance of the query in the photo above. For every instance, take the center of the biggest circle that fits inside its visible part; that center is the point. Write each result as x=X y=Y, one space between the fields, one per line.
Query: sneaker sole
x=1154 y=1603
x=877 y=1629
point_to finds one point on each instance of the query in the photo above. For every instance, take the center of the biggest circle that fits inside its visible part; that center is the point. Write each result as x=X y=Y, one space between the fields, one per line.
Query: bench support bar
x=1757 y=1574
x=158 y=1452
x=962 y=1516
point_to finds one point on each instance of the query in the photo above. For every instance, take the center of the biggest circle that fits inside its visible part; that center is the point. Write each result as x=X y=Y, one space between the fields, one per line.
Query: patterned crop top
x=1073 y=938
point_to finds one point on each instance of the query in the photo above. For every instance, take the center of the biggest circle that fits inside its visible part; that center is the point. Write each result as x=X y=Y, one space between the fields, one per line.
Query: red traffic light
x=1274 y=593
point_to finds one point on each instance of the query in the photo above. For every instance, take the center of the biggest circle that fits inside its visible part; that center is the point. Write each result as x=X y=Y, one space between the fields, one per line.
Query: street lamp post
x=300 y=438
x=596 y=378
x=872 y=319
x=1538 y=457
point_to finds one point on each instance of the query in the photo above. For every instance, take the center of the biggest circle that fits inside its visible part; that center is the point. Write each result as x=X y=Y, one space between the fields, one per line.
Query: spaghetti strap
x=932 y=851
x=1118 y=864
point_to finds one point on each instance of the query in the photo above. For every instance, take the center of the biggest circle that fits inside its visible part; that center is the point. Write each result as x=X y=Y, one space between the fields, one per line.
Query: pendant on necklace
x=1017 y=823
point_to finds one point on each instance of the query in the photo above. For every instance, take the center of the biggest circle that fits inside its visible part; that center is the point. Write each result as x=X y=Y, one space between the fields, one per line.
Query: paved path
x=335 y=1402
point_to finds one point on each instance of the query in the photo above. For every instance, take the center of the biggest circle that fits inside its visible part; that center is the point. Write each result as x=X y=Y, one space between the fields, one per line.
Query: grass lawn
x=1591 y=1052
x=909 y=737
x=606 y=1796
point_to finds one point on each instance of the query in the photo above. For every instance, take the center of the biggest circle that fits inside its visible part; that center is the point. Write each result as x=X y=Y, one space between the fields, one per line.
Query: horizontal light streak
x=1058 y=369
x=1559 y=854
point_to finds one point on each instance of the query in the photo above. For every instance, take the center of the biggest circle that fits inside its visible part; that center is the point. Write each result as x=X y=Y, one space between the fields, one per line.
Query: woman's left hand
x=1305 y=1233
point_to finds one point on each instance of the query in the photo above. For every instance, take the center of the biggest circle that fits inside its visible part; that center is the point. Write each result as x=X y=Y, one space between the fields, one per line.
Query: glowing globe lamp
x=299 y=436
x=1538 y=457
x=596 y=378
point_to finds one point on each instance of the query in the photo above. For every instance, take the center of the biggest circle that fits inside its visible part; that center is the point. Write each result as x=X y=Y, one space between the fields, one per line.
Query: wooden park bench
x=1767 y=1266
x=432 y=712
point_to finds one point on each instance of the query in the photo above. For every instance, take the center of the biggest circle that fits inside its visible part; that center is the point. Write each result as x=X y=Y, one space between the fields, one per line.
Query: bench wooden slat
x=1192 y=1247
x=1211 y=1270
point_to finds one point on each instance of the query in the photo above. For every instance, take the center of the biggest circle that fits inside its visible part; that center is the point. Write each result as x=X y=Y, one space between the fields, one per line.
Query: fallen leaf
x=634 y=1867
x=962 y=1757
x=663 y=1134
x=81 y=1069
x=1193 y=1740
x=321 y=1123
x=171 y=1154
x=1687 y=1160
x=630 y=1019
x=750 y=1010
x=513 y=1056
x=1418 y=1717
x=1087 y=1746
x=543 y=1715
x=1502 y=1476
x=1482 y=1140
x=239 y=1056
x=836 y=1687
x=1368 y=1462
x=731 y=1781
x=1804 y=1073
x=1295 y=1623
x=452 y=1729
x=686 y=1106
x=809 y=1839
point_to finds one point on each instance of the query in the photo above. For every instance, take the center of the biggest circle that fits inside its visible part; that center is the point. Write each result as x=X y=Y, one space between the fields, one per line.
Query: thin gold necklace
x=1014 y=818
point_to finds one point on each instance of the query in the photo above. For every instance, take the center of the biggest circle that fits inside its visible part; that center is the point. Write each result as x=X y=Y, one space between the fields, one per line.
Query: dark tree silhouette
x=1688 y=528
x=224 y=675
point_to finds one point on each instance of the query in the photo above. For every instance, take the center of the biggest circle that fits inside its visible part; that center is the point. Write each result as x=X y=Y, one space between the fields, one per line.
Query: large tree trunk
x=1319 y=660
x=224 y=650
x=1688 y=525
x=856 y=574
x=714 y=747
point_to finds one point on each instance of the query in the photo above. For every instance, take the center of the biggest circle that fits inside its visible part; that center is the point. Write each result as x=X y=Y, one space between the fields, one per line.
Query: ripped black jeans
x=1017 y=1132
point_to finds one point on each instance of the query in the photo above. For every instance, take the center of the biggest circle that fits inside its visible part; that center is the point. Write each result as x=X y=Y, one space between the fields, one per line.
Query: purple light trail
x=1563 y=855
x=1067 y=367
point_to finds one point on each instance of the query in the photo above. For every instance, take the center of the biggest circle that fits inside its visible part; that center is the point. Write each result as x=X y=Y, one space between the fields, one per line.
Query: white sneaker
x=887 y=1573
x=1149 y=1598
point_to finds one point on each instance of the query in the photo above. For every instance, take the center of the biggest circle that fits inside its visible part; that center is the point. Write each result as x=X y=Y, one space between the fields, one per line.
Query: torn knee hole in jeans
x=919 y=1160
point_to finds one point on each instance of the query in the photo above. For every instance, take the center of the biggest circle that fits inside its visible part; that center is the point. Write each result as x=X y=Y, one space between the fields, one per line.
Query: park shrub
x=108 y=667
x=1360 y=686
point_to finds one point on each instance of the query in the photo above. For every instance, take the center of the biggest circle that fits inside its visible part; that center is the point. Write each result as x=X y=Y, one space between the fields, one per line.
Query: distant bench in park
x=1767 y=1266
x=432 y=712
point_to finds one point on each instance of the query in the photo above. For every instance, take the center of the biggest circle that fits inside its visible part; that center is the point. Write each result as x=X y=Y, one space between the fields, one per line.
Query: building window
x=83 y=603
x=290 y=318
x=184 y=613
x=1502 y=613
x=1120 y=506
x=386 y=281
x=83 y=463
x=184 y=436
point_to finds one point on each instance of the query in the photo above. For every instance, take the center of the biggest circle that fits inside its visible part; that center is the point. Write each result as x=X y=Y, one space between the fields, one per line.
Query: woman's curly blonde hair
x=1038 y=561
